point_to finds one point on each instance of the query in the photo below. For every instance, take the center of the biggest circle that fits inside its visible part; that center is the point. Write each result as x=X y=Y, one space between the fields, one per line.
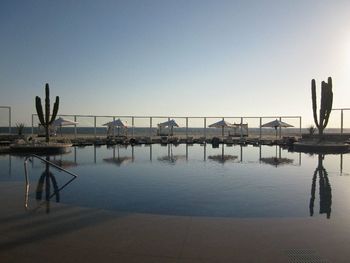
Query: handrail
x=45 y=161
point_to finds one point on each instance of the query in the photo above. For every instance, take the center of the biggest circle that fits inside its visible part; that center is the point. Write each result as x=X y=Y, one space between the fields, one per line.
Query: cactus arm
x=329 y=101
x=55 y=109
x=323 y=104
x=314 y=103
x=39 y=110
x=47 y=104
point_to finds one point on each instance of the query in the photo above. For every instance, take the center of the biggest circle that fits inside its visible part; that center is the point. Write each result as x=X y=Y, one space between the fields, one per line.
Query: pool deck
x=82 y=234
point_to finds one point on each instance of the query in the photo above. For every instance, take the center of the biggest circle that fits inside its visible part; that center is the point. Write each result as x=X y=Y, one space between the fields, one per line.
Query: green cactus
x=326 y=104
x=45 y=120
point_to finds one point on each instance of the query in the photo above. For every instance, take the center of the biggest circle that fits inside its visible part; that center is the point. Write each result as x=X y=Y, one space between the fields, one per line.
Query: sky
x=184 y=57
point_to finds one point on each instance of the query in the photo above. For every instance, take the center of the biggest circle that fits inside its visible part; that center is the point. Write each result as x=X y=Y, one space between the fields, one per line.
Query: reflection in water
x=46 y=179
x=44 y=183
x=119 y=160
x=171 y=158
x=325 y=189
x=222 y=158
x=277 y=160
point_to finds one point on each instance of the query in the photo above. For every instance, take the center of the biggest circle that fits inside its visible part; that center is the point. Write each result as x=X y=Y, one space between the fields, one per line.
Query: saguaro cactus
x=326 y=104
x=45 y=120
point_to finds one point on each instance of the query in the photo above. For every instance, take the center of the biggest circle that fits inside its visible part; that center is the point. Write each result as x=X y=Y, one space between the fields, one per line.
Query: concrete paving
x=82 y=234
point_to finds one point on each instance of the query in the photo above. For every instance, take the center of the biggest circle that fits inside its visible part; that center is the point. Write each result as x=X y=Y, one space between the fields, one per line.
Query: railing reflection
x=222 y=155
x=46 y=182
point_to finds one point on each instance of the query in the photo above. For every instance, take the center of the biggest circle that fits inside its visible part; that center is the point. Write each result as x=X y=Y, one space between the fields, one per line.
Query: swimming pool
x=198 y=180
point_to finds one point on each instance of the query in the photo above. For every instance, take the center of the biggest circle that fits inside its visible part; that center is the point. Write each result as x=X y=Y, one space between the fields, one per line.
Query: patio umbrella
x=277 y=124
x=170 y=123
x=116 y=123
x=63 y=122
x=222 y=124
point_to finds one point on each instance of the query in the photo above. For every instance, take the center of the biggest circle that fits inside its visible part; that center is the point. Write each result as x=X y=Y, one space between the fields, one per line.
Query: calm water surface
x=193 y=180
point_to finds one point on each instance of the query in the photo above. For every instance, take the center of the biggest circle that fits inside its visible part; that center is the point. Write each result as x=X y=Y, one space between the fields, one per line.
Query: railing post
x=205 y=128
x=186 y=128
x=114 y=128
x=32 y=124
x=341 y=121
x=260 y=130
x=241 y=127
x=95 y=126
x=300 y=126
x=9 y=120
x=150 y=127
x=75 y=126
x=132 y=124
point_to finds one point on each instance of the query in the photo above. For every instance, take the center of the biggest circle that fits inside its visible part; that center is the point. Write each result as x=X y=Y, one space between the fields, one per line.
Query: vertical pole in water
x=341 y=164
x=75 y=126
x=259 y=153
x=132 y=129
x=300 y=126
x=186 y=128
x=94 y=153
x=95 y=126
x=150 y=127
x=32 y=124
x=241 y=153
x=186 y=152
x=260 y=119
x=205 y=128
x=150 y=152
x=205 y=152
x=9 y=120
x=341 y=121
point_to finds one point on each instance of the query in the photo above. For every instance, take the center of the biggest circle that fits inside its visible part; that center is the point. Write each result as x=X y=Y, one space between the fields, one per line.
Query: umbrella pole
x=276 y=133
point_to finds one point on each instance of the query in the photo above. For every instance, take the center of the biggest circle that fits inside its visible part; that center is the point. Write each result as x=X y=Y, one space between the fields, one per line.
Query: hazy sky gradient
x=148 y=57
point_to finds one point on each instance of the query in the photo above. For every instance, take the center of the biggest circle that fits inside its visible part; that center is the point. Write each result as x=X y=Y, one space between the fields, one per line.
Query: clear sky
x=174 y=57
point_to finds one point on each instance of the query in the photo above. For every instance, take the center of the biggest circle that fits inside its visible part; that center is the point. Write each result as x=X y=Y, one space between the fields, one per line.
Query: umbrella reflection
x=277 y=160
x=222 y=158
x=325 y=189
x=171 y=158
x=117 y=159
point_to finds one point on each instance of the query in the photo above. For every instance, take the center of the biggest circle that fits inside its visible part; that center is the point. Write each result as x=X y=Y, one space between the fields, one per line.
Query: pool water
x=196 y=180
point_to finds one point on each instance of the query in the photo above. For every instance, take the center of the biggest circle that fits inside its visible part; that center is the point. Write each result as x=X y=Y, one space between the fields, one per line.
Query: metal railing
x=150 y=122
x=9 y=112
x=26 y=195
x=341 y=117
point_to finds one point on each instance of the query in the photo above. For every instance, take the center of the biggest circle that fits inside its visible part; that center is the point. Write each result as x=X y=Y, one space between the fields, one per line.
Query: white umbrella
x=170 y=123
x=277 y=124
x=222 y=124
x=116 y=123
x=62 y=122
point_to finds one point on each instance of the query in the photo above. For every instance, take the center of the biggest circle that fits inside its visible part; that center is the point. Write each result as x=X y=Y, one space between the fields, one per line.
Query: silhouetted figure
x=46 y=179
x=325 y=189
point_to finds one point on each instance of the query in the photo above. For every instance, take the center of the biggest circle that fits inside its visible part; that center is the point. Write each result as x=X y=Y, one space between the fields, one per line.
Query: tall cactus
x=45 y=120
x=326 y=104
